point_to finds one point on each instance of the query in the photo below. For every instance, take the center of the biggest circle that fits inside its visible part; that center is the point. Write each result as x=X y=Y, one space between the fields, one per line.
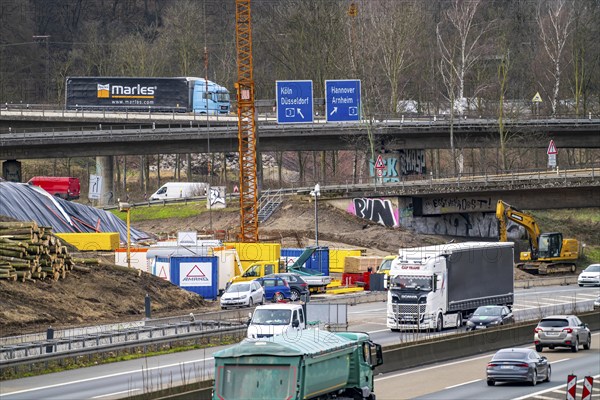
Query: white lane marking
x=464 y=383
x=432 y=367
x=116 y=393
x=377 y=331
x=552 y=389
x=106 y=376
x=561 y=360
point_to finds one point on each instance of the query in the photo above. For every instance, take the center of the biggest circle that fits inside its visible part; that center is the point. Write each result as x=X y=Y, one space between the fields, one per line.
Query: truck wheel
x=439 y=324
x=295 y=296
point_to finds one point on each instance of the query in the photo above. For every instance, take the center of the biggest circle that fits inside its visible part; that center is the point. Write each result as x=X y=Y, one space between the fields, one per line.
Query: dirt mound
x=104 y=295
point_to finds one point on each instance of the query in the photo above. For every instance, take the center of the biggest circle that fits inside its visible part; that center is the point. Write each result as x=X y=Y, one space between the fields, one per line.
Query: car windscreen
x=240 y=287
x=510 y=355
x=267 y=316
x=593 y=268
x=553 y=323
x=488 y=312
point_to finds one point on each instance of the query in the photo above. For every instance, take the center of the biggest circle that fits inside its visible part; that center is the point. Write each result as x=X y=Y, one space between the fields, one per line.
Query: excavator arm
x=505 y=211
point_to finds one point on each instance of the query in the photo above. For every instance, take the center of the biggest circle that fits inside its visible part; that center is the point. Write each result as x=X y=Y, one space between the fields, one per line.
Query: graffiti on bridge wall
x=402 y=162
x=377 y=210
x=480 y=225
x=447 y=205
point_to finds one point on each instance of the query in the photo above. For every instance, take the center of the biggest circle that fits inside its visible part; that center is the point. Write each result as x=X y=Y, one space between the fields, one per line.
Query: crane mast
x=247 y=137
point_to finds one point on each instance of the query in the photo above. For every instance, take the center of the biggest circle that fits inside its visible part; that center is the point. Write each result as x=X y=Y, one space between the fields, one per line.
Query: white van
x=176 y=190
x=276 y=319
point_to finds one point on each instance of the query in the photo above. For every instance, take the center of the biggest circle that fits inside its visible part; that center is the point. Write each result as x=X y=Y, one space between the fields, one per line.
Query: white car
x=243 y=294
x=590 y=275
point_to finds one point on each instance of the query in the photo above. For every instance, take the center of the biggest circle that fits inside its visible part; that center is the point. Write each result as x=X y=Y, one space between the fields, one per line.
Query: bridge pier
x=105 y=168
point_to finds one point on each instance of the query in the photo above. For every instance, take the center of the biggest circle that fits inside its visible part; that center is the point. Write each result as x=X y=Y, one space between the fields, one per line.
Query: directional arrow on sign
x=333 y=111
x=299 y=112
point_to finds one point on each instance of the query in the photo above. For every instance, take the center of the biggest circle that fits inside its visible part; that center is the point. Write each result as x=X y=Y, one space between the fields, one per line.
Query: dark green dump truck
x=315 y=364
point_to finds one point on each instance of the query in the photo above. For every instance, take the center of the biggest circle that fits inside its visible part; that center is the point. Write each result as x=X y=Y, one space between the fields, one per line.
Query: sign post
x=379 y=166
x=537 y=99
x=552 y=152
x=95 y=187
x=342 y=100
x=294 y=102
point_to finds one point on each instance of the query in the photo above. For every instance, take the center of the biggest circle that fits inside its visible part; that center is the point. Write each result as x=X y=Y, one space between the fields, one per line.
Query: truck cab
x=258 y=269
x=276 y=319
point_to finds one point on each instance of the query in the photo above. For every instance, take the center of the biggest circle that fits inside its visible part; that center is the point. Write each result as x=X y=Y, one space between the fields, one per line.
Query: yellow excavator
x=548 y=252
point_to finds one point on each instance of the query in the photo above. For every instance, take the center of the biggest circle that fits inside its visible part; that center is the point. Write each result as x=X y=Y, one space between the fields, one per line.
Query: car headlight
x=495 y=322
x=243 y=296
x=469 y=323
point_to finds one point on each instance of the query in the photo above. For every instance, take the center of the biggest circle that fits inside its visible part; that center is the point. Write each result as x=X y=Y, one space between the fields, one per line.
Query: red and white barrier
x=571 y=387
x=588 y=383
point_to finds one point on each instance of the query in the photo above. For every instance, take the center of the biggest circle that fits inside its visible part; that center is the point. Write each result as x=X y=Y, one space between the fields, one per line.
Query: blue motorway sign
x=342 y=100
x=294 y=102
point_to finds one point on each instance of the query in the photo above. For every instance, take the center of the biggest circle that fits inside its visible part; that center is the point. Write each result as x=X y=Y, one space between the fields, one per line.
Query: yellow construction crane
x=247 y=137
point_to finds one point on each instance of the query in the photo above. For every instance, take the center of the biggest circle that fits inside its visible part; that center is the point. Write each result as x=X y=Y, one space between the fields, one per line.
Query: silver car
x=562 y=331
x=590 y=276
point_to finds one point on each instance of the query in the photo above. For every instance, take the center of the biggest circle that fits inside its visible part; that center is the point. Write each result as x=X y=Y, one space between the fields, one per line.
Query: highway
x=465 y=378
x=119 y=380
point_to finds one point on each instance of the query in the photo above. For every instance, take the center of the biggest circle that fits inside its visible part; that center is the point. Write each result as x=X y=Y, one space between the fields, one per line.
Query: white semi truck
x=436 y=287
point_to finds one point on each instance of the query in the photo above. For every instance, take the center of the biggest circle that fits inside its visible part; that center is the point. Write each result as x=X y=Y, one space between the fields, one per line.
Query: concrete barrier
x=431 y=351
x=410 y=355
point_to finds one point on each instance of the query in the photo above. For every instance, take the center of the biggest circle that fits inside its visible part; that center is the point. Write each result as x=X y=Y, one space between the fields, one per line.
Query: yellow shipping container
x=108 y=241
x=256 y=251
x=337 y=258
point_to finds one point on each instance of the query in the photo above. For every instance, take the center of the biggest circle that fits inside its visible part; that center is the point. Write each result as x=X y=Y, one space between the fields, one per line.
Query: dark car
x=298 y=286
x=488 y=316
x=276 y=289
x=518 y=365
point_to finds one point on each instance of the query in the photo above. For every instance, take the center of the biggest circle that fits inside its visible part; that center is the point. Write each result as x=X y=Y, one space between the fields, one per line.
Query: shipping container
x=319 y=261
x=337 y=258
x=196 y=274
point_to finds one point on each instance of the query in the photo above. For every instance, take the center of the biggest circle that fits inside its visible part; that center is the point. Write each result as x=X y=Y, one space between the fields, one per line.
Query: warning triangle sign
x=379 y=163
x=551 y=148
x=195 y=273
x=537 y=98
x=163 y=273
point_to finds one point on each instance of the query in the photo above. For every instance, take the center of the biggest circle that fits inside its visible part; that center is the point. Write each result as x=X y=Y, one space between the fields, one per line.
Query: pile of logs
x=29 y=251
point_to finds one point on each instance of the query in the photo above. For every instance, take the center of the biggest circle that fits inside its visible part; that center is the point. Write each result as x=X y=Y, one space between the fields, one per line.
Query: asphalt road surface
x=122 y=379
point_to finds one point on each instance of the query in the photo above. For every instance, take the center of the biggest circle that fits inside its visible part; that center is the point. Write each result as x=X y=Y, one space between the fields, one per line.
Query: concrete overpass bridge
x=220 y=135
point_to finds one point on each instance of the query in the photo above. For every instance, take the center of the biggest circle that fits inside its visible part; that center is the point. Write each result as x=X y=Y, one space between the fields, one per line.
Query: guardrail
x=589 y=174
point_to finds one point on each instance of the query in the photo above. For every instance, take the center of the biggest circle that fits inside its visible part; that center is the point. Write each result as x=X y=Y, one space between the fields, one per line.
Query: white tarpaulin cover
x=25 y=202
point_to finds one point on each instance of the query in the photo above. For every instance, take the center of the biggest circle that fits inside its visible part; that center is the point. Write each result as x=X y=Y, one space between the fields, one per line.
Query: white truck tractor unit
x=435 y=287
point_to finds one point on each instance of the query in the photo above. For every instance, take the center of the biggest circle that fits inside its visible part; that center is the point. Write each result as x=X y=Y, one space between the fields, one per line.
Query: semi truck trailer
x=314 y=364
x=435 y=287
x=134 y=94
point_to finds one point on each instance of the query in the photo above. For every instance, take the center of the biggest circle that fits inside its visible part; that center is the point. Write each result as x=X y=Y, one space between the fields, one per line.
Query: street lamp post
x=316 y=193
x=126 y=207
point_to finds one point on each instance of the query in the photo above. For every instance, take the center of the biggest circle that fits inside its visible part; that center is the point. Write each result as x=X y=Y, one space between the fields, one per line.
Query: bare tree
x=555 y=25
x=459 y=49
x=392 y=36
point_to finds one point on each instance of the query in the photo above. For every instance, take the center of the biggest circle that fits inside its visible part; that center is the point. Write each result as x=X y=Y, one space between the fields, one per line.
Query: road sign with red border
x=552 y=148
x=379 y=163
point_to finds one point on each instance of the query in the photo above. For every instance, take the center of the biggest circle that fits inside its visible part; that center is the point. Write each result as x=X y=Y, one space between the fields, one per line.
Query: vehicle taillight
x=568 y=330
x=492 y=365
x=536 y=330
x=523 y=365
x=304 y=284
